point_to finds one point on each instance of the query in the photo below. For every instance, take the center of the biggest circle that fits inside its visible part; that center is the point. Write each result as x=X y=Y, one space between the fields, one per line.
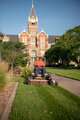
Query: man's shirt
x=40 y=64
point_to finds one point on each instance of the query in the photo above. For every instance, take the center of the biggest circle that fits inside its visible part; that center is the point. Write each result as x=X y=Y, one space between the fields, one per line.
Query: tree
x=75 y=33
x=70 y=42
x=14 y=53
x=53 y=54
x=69 y=50
x=66 y=47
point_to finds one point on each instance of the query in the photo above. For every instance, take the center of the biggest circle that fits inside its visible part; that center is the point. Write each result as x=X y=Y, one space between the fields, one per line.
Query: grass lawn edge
x=64 y=76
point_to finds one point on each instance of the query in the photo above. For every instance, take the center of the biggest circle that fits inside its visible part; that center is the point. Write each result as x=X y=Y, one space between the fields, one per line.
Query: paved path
x=68 y=84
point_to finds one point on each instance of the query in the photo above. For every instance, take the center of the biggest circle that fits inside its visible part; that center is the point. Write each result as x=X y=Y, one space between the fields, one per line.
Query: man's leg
x=43 y=72
x=36 y=71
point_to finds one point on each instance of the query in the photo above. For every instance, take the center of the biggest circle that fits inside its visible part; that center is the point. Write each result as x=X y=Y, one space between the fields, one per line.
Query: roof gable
x=23 y=33
x=42 y=33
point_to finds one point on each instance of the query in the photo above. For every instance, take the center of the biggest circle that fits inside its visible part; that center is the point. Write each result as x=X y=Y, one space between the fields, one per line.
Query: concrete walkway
x=69 y=84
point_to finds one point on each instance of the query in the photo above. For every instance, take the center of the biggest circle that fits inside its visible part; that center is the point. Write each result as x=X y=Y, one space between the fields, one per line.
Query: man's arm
x=43 y=64
x=36 y=64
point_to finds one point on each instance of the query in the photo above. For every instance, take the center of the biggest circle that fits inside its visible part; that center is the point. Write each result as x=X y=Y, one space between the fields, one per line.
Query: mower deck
x=39 y=80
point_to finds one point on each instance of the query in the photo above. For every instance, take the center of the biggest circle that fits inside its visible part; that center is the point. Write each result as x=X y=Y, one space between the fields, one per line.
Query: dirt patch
x=5 y=95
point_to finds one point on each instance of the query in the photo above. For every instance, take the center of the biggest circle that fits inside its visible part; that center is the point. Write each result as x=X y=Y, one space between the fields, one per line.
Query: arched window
x=33 y=56
x=24 y=40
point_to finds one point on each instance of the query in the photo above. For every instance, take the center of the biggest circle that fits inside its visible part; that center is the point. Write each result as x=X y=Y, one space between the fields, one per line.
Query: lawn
x=34 y=102
x=75 y=74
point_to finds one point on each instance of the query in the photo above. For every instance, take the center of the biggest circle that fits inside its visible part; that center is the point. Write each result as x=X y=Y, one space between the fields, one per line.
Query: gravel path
x=69 y=84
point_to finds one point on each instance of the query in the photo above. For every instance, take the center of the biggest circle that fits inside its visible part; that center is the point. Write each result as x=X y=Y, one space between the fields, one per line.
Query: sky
x=54 y=16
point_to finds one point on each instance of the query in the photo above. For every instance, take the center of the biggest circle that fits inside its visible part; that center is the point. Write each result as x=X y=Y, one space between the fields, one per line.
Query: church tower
x=37 y=44
x=33 y=31
x=33 y=23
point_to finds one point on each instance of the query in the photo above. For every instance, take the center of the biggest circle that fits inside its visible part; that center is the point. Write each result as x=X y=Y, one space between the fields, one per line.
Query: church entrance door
x=33 y=56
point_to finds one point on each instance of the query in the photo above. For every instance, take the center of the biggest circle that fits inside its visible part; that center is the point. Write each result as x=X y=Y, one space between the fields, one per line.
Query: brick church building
x=37 y=43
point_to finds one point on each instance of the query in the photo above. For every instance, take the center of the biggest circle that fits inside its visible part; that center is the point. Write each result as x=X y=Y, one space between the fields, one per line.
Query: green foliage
x=66 y=48
x=44 y=102
x=15 y=53
x=20 y=61
x=26 y=72
x=3 y=72
x=69 y=48
x=53 y=54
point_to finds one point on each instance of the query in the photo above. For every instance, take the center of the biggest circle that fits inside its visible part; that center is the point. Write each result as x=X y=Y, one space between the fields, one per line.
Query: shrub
x=26 y=72
x=3 y=71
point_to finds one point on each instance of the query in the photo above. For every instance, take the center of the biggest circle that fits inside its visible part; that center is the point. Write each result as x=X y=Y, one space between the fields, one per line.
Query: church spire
x=33 y=22
x=32 y=11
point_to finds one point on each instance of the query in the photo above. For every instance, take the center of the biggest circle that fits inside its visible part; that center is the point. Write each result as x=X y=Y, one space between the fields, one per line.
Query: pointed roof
x=42 y=32
x=32 y=12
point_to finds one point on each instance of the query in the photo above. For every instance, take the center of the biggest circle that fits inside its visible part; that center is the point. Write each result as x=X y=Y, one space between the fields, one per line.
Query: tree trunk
x=63 y=63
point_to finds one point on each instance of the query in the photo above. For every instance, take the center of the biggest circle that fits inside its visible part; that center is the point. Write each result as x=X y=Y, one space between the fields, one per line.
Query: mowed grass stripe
x=28 y=105
x=69 y=101
x=34 y=102
x=62 y=106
